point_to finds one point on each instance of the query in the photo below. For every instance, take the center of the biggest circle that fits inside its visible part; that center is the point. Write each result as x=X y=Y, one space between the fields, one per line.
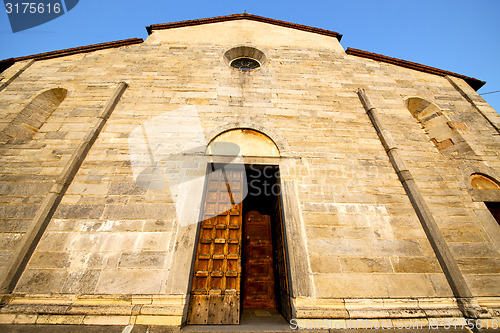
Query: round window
x=245 y=63
x=245 y=58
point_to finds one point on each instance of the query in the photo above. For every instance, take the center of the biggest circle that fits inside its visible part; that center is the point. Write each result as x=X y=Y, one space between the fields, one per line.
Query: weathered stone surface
x=351 y=230
x=81 y=282
x=138 y=211
x=415 y=265
x=42 y=281
x=365 y=265
x=152 y=260
x=140 y=281
x=79 y=211
x=125 y=189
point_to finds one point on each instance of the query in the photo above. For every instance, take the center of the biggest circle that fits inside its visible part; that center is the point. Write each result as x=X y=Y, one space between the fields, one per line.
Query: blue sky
x=456 y=35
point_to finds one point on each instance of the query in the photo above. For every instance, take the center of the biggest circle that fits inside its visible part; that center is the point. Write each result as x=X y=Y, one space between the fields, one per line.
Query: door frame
x=299 y=276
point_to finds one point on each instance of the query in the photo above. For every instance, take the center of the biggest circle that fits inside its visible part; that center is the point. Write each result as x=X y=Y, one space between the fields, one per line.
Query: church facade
x=241 y=162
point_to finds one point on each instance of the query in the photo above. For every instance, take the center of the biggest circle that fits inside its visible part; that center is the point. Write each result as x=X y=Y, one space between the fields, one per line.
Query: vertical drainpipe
x=467 y=304
x=17 y=264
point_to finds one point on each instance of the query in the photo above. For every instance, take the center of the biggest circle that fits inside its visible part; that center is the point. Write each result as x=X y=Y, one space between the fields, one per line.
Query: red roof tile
x=243 y=16
x=474 y=83
x=81 y=49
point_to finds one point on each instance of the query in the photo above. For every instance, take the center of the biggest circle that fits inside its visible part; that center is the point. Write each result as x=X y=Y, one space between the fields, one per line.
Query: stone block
x=81 y=282
x=153 y=260
x=59 y=319
x=14 y=225
x=106 y=320
x=18 y=211
x=49 y=260
x=158 y=225
x=145 y=241
x=484 y=285
x=55 y=135
x=351 y=285
x=171 y=310
x=463 y=235
x=455 y=125
x=415 y=265
x=325 y=264
x=88 y=188
x=41 y=281
x=126 y=281
x=24 y=188
x=473 y=250
x=479 y=265
x=440 y=285
x=7 y=318
x=81 y=212
x=125 y=189
x=159 y=320
x=363 y=247
x=365 y=265
x=51 y=241
x=9 y=242
x=410 y=285
x=139 y=211
x=5 y=257
x=25 y=319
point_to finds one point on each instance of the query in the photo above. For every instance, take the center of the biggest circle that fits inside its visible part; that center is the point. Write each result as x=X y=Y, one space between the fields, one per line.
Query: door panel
x=281 y=263
x=215 y=292
x=258 y=290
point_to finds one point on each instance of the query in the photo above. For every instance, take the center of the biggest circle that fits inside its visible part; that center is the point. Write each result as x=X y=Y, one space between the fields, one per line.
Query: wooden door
x=258 y=284
x=281 y=263
x=215 y=291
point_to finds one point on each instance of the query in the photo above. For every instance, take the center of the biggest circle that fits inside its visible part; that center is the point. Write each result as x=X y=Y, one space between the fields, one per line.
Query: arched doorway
x=240 y=259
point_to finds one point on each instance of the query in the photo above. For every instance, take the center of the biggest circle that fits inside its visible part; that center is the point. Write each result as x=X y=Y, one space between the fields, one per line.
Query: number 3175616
x=32 y=8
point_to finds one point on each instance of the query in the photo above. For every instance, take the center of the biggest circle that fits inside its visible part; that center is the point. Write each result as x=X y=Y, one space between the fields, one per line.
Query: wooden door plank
x=259 y=289
x=215 y=288
x=198 y=309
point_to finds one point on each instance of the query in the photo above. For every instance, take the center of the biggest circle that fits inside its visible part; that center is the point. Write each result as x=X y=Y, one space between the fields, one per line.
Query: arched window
x=33 y=116
x=486 y=183
x=244 y=57
x=250 y=143
x=441 y=131
x=483 y=182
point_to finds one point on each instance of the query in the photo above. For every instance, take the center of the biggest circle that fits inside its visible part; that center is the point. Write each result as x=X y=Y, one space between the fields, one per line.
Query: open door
x=216 y=281
x=283 y=287
x=264 y=257
x=258 y=280
x=215 y=291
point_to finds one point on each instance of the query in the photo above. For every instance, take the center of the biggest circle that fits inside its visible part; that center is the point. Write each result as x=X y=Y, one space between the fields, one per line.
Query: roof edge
x=473 y=82
x=242 y=16
x=76 y=50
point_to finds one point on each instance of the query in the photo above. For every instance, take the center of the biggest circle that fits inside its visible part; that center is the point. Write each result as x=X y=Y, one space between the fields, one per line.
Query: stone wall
x=362 y=238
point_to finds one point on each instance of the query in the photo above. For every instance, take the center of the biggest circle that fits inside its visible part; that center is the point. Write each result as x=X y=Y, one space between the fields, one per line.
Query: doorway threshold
x=252 y=320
